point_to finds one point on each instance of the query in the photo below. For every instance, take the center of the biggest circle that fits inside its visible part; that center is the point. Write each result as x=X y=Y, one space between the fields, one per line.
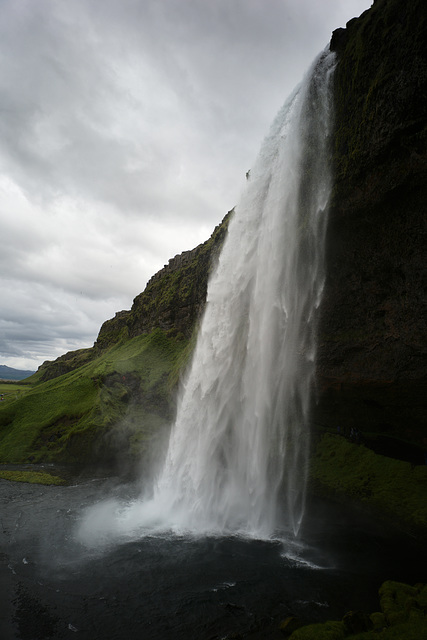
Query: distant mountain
x=7 y=373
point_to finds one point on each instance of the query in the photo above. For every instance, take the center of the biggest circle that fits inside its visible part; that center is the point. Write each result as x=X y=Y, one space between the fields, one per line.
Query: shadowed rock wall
x=372 y=368
x=173 y=301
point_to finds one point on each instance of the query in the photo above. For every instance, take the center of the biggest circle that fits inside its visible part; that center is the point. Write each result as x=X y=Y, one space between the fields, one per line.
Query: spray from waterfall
x=237 y=457
x=238 y=451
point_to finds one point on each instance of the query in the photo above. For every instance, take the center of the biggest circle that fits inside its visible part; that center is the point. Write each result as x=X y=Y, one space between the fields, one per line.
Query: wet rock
x=338 y=40
x=356 y=622
x=372 y=353
x=289 y=625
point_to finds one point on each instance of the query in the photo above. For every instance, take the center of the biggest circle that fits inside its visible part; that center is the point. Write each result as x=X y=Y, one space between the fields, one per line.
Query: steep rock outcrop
x=172 y=300
x=64 y=364
x=372 y=366
x=175 y=296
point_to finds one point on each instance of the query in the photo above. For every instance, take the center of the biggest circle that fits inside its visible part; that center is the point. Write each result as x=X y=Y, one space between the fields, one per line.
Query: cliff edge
x=372 y=366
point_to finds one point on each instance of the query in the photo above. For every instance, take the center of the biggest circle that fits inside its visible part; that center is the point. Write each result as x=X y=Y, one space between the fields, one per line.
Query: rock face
x=372 y=365
x=173 y=298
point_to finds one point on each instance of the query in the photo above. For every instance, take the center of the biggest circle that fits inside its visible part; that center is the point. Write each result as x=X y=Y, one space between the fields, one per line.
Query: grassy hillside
x=394 y=488
x=12 y=389
x=403 y=616
x=119 y=401
x=108 y=404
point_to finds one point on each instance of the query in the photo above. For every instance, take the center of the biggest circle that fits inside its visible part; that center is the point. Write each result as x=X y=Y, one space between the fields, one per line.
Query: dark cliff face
x=372 y=354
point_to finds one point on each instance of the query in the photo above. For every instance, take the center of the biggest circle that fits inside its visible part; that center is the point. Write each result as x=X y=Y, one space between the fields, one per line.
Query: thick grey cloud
x=126 y=129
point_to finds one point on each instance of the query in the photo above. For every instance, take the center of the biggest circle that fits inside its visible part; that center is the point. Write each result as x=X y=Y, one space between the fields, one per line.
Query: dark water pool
x=169 y=587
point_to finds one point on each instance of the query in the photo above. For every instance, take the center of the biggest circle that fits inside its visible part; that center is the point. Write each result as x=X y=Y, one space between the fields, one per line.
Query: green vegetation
x=12 y=390
x=68 y=362
x=183 y=361
x=397 y=488
x=34 y=477
x=113 y=402
x=403 y=616
x=175 y=299
x=119 y=399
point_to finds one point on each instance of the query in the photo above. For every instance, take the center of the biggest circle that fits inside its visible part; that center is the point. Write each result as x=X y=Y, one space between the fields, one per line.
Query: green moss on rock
x=100 y=411
x=175 y=296
x=172 y=301
x=332 y=630
x=115 y=401
x=33 y=477
x=403 y=616
x=393 y=487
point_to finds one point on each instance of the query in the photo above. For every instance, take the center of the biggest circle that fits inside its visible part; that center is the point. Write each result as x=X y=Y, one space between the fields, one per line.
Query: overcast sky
x=126 y=130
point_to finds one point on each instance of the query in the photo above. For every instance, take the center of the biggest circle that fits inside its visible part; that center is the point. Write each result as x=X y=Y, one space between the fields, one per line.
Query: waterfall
x=238 y=451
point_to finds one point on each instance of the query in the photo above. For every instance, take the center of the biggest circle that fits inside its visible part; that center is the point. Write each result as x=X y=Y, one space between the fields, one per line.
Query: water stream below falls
x=182 y=587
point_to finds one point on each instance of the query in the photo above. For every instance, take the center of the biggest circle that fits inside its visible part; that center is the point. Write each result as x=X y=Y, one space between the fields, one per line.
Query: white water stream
x=238 y=451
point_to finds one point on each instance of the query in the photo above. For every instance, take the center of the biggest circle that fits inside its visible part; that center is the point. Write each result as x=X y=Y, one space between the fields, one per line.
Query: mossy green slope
x=33 y=477
x=118 y=400
x=173 y=298
x=110 y=403
x=395 y=488
x=173 y=301
x=403 y=616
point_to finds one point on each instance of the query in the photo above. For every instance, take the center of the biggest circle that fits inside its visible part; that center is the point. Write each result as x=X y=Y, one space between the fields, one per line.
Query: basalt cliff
x=372 y=365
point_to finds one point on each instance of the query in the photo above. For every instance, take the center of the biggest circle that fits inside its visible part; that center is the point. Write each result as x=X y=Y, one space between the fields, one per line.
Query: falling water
x=237 y=457
x=238 y=451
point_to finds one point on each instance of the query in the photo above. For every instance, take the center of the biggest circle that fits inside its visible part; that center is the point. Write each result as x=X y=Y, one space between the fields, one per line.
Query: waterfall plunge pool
x=169 y=586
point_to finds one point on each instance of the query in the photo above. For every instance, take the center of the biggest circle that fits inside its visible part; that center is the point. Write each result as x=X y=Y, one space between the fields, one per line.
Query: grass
x=402 y=617
x=33 y=477
x=12 y=390
x=66 y=418
x=395 y=487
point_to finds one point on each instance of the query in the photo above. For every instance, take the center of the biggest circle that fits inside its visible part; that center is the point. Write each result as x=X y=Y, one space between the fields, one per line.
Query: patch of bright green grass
x=22 y=420
x=33 y=477
x=151 y=356
x=63 y=418
x=395 y=487
x=12 y=390
x=183 y=360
